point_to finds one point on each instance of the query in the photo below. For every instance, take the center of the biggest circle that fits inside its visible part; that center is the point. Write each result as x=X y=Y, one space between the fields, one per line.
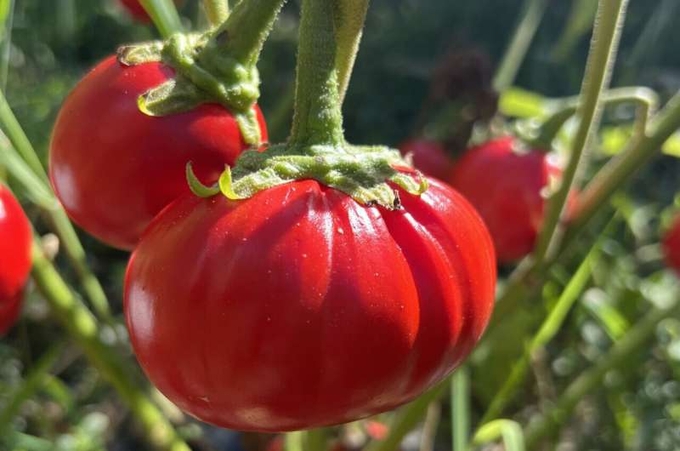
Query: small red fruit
x=114 y=168
x=429 y=157
x=506 y=186
x=299 y=307
x=671 y=245
x=15 y=257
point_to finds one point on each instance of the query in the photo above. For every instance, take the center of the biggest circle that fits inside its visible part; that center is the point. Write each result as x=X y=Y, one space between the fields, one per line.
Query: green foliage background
x=407 y=45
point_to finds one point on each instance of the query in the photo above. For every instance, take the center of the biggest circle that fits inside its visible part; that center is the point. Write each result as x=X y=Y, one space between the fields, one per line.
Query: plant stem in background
x=164 y=15
x=645 y=100
x=634 y=341
x=407 y=418
x=19 y=140
x=620 y=169
x=606 y=36
x=349 y=23
x=22 y=160
x=547 y=332
x=315 y=439
x=84 y=330
x=216 y=10
x=460 y=409
x=525 y=31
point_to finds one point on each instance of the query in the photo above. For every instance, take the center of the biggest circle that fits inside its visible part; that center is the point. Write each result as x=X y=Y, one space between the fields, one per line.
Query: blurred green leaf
x=517 y=102
x=510 y=431
x=672 y=146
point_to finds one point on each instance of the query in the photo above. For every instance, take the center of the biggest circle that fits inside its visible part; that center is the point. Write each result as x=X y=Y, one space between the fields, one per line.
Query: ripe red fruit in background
x=671 y=245
x=505 y=186
x=15 y=257
x=429 y=157
x=136 y=10
x=114 y=168
x=299 y=307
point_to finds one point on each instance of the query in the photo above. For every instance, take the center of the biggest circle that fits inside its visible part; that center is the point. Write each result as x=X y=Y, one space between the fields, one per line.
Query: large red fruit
x=671 y=245
x=429 y=157
x=299 y=307
x=15 y=257
x=114 y=168
x=136 y=10
x=506 y=186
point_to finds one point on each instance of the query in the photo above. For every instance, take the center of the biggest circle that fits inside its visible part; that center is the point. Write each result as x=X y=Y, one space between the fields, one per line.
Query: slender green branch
x=30 y=385
x=407 y=418
x=16 y=135
x=547 y=331
x=620 y=169
x=164 y=15
x=293 y=441
x=316 y=440
x=634 y=341
x=84 y=330
x=532 y=14
x=39 y=192
x=645 y=100
x=606 y=36
x=460 y=409
x=317 y=118
x=350 y=18
x=217 y=11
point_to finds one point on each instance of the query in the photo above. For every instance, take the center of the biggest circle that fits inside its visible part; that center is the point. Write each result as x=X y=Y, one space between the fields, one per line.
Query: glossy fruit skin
x=136 y=10
x=429 y=157
x=671 y=245
x=505 y=186
x=299 y=307
x=15 y=257
x=114 y=168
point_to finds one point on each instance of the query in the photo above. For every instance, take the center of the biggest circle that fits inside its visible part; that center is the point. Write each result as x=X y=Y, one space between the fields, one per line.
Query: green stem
x=19 y=140
x=243 y=34
x=547 y=331
x=349 y=25
x=645 y=100
x=293 y=441
x=618 y=356
x=533 y=11
x=164 y=15
x=84 y=330
x=39 y=192
x=606 y=36
x=619 y=169
x=30 y=385
x=317 y=118
x=407 y=418
x=460 y=409
x=315 y=440
x=217 y=11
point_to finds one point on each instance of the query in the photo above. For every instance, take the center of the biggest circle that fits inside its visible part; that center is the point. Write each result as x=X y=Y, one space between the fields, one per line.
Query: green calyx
x=203 y=75
x=365 y=173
